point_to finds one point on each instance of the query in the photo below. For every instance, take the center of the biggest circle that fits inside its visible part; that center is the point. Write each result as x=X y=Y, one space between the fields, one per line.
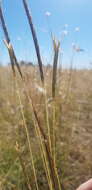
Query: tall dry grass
x=45 y=144
x=43 y=132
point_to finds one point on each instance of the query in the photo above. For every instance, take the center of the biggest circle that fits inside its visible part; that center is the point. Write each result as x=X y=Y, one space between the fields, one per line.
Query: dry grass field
x=45 y=121
x=72 y=122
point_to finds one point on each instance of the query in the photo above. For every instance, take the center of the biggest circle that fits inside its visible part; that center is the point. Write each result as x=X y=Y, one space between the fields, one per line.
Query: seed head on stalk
x=56 y=46
x=36 y=44
x=7 y=42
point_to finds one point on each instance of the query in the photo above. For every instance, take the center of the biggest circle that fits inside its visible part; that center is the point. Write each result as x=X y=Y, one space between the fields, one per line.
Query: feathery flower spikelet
x=65 y=32
x=66 y=25
x=77 y=29
x=77 y=48
x=18 y=38
x=47 y=13
x=40 y=89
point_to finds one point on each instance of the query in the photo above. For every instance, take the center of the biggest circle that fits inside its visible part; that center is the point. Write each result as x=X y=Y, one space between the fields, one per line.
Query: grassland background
x=73 y=127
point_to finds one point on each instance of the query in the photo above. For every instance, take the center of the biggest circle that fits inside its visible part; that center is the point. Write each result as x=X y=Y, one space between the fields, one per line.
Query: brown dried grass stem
x=11 y=52
x=56 y=46
x=34 y=39
x=23 y=167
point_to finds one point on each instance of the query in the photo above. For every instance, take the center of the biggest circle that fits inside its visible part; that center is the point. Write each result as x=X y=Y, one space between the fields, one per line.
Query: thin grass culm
x=44 y=129
x=34 y=39
x=56 y=45
x=28 y=139
x=13 y=58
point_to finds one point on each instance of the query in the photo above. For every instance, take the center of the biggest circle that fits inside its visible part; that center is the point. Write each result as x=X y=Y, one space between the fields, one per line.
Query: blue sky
x=66 y=15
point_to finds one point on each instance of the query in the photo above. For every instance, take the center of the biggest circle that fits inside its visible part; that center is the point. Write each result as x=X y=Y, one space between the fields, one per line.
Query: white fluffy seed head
x=47 y=13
